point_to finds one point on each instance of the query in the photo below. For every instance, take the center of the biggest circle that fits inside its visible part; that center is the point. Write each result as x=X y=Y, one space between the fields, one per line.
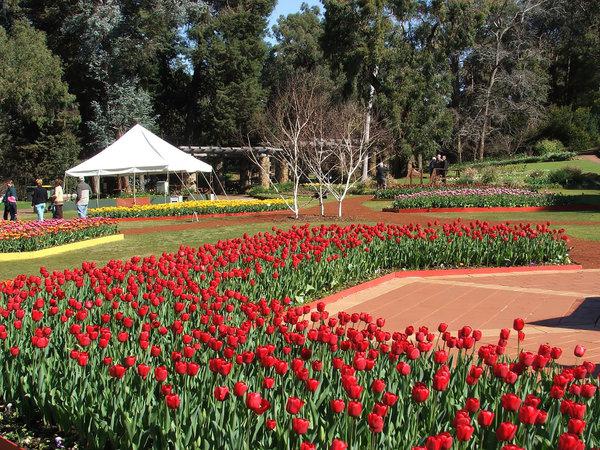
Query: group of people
x=438 y=168
x=40 y=199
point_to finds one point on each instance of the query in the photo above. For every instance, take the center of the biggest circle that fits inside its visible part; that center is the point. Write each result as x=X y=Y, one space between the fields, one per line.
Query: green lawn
x=583 y=165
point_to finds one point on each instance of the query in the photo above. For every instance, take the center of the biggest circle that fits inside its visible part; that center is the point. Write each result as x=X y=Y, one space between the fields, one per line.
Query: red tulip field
x=212 y=347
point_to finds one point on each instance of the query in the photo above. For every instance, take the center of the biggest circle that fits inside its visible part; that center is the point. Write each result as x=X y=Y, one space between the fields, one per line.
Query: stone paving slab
x=560 y=308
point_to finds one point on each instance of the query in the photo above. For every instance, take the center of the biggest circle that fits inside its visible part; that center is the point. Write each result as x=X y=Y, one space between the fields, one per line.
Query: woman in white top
x=58 y=199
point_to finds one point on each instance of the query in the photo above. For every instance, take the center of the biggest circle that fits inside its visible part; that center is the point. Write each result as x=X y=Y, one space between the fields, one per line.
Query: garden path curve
x=561 y=308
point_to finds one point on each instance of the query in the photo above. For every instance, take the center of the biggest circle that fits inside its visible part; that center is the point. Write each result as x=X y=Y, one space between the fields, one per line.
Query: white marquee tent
x=139 y=151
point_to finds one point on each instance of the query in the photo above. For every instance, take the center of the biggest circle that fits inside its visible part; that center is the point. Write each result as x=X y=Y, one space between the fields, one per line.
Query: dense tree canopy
x=470 y=78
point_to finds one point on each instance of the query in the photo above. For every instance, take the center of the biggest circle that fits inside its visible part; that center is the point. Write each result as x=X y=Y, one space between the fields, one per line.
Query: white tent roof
x=139 y=151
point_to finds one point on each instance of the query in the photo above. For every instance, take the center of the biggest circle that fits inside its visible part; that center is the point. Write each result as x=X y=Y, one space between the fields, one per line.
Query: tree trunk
x=340 y=201
x=459 y=148
x=367 y=131
x=488 y=97
x=321 y=202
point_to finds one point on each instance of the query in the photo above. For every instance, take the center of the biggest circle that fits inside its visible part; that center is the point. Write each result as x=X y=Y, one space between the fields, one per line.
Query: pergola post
x=265 y=169
x=245 y=174
x=282 y=172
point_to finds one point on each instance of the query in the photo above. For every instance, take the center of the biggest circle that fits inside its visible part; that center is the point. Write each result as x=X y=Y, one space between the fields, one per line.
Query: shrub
x=566 y=176
x=578 y=129
x=537 y=179
x=468 y=176
x=548 y=147
x=489 y=176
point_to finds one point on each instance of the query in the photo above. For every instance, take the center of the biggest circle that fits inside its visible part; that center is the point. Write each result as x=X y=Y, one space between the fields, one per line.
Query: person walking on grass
x=39 y=199
x=57 y=199
x=10 y=201
x=83 y=198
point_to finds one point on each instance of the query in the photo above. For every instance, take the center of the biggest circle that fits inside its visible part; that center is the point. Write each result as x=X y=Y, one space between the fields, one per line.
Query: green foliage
x=548 y=147
x=297 y=48
x=38 y=116
x=489 y=175
x=127 y=104
x=572 y=177
x=228 y=62
x=578 y=129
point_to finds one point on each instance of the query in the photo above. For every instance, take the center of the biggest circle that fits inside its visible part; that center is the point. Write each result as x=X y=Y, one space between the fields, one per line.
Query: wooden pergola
x=216 y=154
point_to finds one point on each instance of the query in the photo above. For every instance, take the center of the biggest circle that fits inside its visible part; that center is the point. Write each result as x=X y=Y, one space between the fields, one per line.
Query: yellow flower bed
x=191 y=207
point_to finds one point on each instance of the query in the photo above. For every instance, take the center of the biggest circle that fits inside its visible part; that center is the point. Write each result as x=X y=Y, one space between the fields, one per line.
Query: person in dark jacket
x=444 y=168
x=10 y=201
x=39 y=199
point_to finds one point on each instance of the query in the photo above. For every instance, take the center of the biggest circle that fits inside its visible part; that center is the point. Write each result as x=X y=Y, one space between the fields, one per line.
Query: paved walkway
x=561 y=308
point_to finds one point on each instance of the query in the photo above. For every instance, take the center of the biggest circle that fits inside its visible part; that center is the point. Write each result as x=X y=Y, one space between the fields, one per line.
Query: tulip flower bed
x=191 y=207
x=208 y=347
x=31 y=236
x=474 y=197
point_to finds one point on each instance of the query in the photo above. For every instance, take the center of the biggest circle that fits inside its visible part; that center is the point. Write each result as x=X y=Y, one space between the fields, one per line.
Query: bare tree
x=287 y=128
x=504 y=17
x=338 y=148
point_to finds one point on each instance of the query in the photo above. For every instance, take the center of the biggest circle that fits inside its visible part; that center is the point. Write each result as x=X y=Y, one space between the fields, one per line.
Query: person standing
x=39 y=199
x=444 y=168
x=58 y=199
x=83 y=198
x=10 y=201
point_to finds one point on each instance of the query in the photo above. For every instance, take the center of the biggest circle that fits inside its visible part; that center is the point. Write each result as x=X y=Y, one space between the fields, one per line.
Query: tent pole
x=98 y=192
x=167 y=186
x=134 y=188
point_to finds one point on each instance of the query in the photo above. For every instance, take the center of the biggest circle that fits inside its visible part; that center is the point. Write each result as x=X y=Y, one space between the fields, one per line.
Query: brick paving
x=560 y=308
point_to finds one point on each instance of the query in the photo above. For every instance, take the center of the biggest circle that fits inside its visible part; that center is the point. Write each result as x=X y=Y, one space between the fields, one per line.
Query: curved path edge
x=441 y=272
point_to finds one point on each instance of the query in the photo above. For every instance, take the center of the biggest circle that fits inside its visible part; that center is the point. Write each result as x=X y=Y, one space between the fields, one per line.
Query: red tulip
x=389 y=399
x=378 y=386
x=270 y=424
x=579 y=350
x=510 y=402
x=576 y=426
x=239 y=388
x=354 y=408
x=253 y=400
x=294 y=405
x=528 y=415
x=338 y=444
x=472 y=405
x=568 y=441
x=160 y=374
x=464 y=432
x=506 y=431
x=337 y=406
x=375 y=423
x=221 y=393
x=300 y=426
x=172 y=401
x=420 y=393
x=485 y=418
x=518 y=324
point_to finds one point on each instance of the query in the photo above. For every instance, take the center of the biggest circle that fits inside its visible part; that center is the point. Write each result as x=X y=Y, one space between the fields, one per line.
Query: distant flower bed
x=188 y=208
x=473 y=197
x=31 y=236
x=392 y=193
